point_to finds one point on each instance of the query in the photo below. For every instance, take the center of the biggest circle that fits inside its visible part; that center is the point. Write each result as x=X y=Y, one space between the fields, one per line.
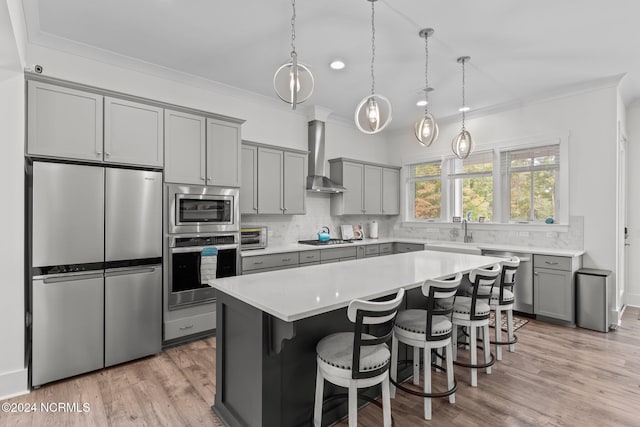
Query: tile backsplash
x=287 y=229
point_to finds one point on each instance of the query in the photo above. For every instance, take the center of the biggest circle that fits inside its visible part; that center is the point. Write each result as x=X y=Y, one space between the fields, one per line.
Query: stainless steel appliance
x=202 y=209
x=253 y=237
x=523 y=289
x=96 y=267
x=186 y=285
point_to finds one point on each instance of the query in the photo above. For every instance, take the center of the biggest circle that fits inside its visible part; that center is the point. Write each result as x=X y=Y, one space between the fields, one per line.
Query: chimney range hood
x=317 y=180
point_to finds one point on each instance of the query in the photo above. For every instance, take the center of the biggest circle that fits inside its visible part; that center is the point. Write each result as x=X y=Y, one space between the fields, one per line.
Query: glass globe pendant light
x=293 y=82
x=426 y=129
x=462 y=145
x=374 y=112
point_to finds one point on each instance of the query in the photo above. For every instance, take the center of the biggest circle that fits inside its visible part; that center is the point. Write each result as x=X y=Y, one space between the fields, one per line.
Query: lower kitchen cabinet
x=407 y=247
x=309 y=258
x=337 y=254
x=554 y=287
x=189 y=325
x=271 y=262
x=367 y=251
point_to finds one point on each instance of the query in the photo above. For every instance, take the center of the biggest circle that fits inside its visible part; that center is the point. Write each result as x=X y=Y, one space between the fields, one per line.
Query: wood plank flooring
x=558 y=376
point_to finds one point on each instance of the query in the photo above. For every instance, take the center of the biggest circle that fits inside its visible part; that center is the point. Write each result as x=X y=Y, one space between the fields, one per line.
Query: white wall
x=590 y=120
x=13 y=373
x=632 y=294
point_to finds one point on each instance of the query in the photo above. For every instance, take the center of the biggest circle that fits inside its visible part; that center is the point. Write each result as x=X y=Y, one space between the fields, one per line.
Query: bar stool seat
x=415 y=321
x=337 y=350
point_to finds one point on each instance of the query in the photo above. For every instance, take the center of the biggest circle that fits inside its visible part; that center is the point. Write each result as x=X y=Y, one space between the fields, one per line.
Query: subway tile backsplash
x=287 y=229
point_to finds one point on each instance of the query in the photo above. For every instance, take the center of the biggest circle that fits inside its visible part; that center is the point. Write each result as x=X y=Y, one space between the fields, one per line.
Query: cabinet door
x=553 y=294
x=185 y=145
x=223 y=153
x=295 y=174
x=133 y=133
x=249 y=187
x=390 y=191
x=372 y=190
x=352 y=175
x=270 y=181
x=64 y=122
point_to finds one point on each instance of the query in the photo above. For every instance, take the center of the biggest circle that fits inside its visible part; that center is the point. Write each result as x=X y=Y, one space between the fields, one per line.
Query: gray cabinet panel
x=64 y=235
x=68 y=322
x=133 y=133
x=249 y=186
x=64 y=122
x=223 y=153
x=353 y=182
x=553 y=294
x=390 y=191
x=133 y=314
x=260 y=262
x=270 y=167
x=185 y=146
x=408 y=247
x=133 y=216
x=295 y=171
x=189 y=325
x=309 y=257
x=372 y=190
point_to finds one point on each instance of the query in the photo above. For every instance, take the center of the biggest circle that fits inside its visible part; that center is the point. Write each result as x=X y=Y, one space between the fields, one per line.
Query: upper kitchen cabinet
x=185 y=148
x=132 y=133
x=201 y=151
x=223 y=153
x=273 y=180
x=63 y=122
x=70 y=123
x=371 y=189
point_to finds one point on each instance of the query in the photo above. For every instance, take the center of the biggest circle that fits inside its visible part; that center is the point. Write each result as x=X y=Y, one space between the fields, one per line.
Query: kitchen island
x=268 y=325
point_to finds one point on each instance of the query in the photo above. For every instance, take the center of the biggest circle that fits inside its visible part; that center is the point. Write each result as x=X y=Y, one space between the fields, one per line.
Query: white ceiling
x=519 y=50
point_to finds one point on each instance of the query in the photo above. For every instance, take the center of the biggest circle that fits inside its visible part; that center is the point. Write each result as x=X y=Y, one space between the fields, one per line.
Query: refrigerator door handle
x=129 y=270
x=69 y=277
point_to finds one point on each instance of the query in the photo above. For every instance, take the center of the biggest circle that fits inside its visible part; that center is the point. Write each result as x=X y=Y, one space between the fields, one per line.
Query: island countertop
x=298 y=293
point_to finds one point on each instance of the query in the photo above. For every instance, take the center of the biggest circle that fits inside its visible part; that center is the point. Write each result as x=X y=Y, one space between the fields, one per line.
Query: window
x=531 y=180
x=471 y=182
x=426 y=185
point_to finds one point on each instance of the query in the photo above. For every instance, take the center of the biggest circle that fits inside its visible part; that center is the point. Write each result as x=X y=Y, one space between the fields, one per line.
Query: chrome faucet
x=467 y=235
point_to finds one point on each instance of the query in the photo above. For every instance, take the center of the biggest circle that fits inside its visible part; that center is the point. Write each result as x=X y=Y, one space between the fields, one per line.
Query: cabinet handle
x=551 y=262
x=309 y=257
x=106 y=153
x=535 y=273
x=184 y=328
x=202 y=178
x=286 y=259
x=258 y=263
x=209 y=178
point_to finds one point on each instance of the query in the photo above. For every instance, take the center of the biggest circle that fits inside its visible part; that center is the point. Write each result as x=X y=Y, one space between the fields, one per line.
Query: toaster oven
x=253 y=237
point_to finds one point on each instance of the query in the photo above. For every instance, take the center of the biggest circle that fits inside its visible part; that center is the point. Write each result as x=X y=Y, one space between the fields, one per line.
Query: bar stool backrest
x=508 y=278
x=380 y=313
x=440 y=299
x=481 y=277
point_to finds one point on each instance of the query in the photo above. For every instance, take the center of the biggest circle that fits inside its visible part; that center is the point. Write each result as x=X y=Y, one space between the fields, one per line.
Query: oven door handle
x=189 y=249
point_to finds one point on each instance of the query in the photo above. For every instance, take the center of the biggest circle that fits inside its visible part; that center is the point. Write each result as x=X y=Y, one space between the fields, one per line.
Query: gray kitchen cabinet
x=554 y=287
x=63 y=122
x=276 y=182
x=249 y=187
x=190 y=325
x=367 y=251
x=185 y=147
x=386 y=248
x=223 y=153
x=270 y=262
x=133 y=133
x=309 y=258
x=371 y=189
x=400 y=248
x=202 y=150
x=390 y=191
x=337 y=254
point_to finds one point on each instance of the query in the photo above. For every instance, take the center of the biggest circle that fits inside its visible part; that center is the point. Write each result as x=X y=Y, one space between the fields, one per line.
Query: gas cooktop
x=328 y=242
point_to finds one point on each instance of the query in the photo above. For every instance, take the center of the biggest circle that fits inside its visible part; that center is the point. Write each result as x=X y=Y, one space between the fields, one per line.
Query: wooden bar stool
x=357 y=359
x=430 y=330
x=501 y=301
x=472 y=313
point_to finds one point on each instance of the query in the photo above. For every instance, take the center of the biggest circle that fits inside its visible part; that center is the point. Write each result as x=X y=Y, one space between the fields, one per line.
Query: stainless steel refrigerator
x=96 y=267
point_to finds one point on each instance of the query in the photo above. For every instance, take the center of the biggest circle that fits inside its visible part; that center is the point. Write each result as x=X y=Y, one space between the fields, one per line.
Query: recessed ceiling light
x=421 y=103
x=337 y=64
x=463 y=109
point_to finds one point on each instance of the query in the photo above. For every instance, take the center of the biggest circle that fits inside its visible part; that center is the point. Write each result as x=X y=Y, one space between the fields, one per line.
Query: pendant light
x=462 y=144
x=374 y=112
x=293 y=82
x=426 y=130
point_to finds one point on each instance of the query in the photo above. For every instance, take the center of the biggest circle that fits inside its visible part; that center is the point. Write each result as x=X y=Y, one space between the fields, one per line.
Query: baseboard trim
x=13 y=384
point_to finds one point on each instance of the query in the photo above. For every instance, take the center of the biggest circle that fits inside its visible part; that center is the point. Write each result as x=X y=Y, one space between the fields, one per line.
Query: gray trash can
x=592 y=299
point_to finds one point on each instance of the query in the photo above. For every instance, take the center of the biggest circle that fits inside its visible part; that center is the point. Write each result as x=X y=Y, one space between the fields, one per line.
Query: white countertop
x=297 y=247
x=298 y=293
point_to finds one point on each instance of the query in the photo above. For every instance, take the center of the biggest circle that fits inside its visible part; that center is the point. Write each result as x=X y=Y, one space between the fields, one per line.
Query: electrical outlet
x=523 y=233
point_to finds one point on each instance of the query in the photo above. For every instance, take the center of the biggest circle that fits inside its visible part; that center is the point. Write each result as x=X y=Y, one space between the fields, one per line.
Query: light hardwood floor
x=558 y=376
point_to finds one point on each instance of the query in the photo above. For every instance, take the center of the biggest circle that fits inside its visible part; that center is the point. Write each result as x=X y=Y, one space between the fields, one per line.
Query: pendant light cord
x=373 y=46
x=426 y=77
x=464 y=104
x=293 y=28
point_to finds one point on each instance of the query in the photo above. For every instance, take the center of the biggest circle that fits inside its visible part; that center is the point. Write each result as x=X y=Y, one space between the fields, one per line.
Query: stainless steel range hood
x=317 y=179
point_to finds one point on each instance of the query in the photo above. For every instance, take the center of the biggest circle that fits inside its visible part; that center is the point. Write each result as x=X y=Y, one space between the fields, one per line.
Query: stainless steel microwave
x=202 y=209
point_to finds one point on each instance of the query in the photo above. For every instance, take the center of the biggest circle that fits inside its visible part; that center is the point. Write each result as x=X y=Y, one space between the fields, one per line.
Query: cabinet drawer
x=386 y=248
x=309 y=256
x=372 y=250
x=268 y=261
x=337 y=253
x=189 y=325
x=408 y=247
x=307 y=264
x=552 y=262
